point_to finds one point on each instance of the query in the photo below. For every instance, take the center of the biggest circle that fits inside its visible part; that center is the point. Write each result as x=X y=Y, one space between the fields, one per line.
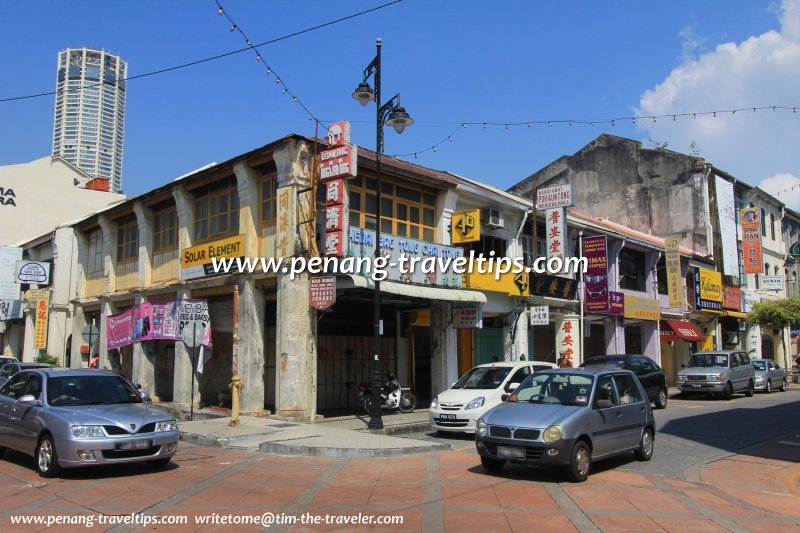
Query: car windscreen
x=760 y=365
x=554 y=388
x=89 y=390
x=706 y=360
x=613 y=362
x=483 y=377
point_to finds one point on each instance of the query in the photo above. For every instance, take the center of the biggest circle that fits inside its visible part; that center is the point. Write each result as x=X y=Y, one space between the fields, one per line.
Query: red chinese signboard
x=751 y=240
x=340 y=162
x=334 y=192
x=322 y=292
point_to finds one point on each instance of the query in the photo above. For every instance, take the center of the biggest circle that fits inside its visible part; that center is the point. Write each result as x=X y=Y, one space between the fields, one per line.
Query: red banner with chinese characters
x=751 y=240
x=731 y=297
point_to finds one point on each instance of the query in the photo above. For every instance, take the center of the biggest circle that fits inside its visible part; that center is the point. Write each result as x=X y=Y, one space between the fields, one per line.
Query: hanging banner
x=731 y=297
x=466 y=226
x=467 y=315
x=156 y=320
x=674 y=280
x=726 y=211
x=9 y=287
x=751 y=240
x=596 y=278
x=40 y=331
x=707 y=289
x=616 y=303
x=556 y=233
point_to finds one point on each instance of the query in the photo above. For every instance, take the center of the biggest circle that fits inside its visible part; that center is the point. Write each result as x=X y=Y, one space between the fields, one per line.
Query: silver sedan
x=75 y=418
x=769 y=376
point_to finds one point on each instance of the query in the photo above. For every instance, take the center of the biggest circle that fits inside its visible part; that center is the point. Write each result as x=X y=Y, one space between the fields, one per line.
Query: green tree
x=48 y=359
x=777 y=314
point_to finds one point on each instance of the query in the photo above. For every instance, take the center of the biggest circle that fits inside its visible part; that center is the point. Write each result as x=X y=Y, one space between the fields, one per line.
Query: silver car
x=73 y=418
x=769 y=376
x=723 y=372
x=568 y=418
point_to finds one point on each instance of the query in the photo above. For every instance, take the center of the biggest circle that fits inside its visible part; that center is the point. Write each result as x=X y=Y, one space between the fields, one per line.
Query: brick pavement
x=432 y=491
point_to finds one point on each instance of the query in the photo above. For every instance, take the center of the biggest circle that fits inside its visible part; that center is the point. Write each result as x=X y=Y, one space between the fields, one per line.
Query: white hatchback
x=458 y=408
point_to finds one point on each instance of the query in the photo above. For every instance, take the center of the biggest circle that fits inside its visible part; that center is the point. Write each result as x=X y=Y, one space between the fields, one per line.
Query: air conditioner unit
x=493 y=217
x=731 y=280
x=730 y=337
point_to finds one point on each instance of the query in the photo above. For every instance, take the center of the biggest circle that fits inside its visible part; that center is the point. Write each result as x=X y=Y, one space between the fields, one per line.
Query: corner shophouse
x=292 y=359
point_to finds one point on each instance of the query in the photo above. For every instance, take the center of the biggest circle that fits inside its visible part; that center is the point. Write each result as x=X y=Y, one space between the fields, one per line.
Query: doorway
x=422 y=364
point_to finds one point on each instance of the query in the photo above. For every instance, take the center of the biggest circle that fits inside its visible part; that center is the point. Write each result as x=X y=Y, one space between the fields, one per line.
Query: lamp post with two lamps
x=393 y=114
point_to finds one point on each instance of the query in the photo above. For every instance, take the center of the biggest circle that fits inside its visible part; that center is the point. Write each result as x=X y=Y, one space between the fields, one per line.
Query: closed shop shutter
x=488 y=344
x=542 y=343
x=221 y=312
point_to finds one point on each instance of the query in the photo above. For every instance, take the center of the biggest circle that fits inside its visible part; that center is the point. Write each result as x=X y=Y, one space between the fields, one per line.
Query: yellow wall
x=126 y=275
x=95 y=285
x=166 y=266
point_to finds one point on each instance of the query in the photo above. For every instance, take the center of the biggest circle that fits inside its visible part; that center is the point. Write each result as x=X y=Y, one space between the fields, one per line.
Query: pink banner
x=156 y=320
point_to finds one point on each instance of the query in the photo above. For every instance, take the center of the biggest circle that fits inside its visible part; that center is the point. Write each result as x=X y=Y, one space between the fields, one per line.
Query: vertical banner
x=556 y=233
x=751 y=240
x=674 y=281
x=335 y=218
x=726 y=211
x=42 y=316
x=568 y=341
x=596 y=279
x=9 y=287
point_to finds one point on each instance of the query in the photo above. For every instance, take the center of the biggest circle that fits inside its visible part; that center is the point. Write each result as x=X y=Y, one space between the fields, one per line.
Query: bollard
x=235 y=386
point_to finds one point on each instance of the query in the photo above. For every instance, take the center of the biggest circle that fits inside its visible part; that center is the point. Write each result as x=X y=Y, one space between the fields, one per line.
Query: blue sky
x=452 y=62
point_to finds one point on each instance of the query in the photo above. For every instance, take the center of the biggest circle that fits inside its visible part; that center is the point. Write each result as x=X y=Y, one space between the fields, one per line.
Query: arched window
x=772 y=225
x=763 y=223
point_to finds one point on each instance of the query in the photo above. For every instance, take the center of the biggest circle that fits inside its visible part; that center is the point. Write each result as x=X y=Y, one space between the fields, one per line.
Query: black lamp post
x=393 y=114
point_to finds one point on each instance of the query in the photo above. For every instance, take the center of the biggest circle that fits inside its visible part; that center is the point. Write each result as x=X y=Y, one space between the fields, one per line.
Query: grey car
x=769 y=376
x=723 y=372
x=568 y=418
x=75 y=418
x=12 y=367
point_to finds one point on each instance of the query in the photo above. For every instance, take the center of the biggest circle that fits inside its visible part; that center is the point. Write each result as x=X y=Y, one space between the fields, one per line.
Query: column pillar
x=651 y=345
x=521 y=338
x=28 y=353
x=78 y=323
x=144 y=266
x=109 y=253
x=184 y=207
x=247 y=181
x=444 y=352
x=106 y=309
x=252 y=360
x=182 y=382
x=144 y=361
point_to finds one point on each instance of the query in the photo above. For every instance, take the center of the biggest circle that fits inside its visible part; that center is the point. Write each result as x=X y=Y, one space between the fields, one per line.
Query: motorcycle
x=393 y=396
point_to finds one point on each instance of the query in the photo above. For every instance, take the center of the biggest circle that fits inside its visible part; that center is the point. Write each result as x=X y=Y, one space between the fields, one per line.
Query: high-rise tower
x=90 y=112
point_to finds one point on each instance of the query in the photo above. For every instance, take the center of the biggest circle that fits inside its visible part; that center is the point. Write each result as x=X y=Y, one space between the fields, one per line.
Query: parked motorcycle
x=393 y=396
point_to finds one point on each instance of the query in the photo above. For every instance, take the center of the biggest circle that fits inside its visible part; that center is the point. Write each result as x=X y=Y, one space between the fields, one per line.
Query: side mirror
x=145 y=396
x=511 y=386
x=138 y=386
x=603 y=404
x=504 y=397
x=683 y=366
x=29 y=399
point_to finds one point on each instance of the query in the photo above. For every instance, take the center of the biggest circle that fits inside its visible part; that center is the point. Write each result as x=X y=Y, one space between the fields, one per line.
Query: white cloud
x=759 y=71
x=785 y=187
x=691 y=41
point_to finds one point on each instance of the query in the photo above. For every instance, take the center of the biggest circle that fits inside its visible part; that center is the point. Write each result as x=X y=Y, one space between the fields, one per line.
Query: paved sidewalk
x=345 y=436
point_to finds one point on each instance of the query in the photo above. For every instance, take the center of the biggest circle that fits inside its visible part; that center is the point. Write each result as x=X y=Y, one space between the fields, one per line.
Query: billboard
x=596 y=278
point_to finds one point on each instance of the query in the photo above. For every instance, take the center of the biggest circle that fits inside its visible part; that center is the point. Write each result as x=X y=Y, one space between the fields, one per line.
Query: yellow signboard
x=710 y=285
x=466 y=226
x=202 y=254
x=40 y=331
x=674 y=279
x=509 y=283
x=642 y=308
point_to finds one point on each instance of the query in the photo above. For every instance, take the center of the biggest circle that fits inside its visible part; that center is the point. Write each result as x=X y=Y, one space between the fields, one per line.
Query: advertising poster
x=156 y=320
x=751 y=240
x=596 y=279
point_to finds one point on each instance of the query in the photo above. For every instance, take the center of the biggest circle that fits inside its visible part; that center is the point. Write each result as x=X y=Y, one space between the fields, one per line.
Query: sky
x=500 y=62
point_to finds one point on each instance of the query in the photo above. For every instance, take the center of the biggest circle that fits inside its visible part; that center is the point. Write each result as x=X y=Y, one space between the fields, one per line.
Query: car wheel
x=159 y=463
x=768 y=387
x=46 y=458
x=728 y=392
x=645 y=450
x=661 y=401
x=751 y=390
x=492 y=465
x=783 y=385
x=580 y=462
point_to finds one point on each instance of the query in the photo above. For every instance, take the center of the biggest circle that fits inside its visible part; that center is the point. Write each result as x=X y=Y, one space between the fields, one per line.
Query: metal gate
x=489 y=343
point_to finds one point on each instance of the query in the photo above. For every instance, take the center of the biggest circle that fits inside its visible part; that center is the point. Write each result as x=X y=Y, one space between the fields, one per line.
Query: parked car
x=569 y=418
x=4 y=359
x=769 y=376
x=724 y=372
x=649 y=374
x=74 y=418
x=459 y=407
x=11 y=368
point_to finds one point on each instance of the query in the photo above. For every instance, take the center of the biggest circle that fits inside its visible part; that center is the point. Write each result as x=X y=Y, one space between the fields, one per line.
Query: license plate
x=697 y=385
x=134 y=445
x=447 y=417
x=510 y=452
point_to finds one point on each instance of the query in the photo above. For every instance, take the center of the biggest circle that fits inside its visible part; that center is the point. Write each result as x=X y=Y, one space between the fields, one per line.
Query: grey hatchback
x=568 y=418
x=72 y=418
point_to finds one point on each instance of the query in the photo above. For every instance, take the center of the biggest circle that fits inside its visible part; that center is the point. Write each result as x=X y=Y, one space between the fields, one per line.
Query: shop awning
x=679 y=330
x=735 y=314
x=413 y=291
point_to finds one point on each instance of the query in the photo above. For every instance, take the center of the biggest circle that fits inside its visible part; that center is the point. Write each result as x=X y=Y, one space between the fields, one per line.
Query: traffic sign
x=193 y=333
x=90 y=333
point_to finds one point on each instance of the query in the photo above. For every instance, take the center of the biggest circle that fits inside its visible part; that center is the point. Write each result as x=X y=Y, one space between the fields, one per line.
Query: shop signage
x=616 y=303
x=156 y=320
x=196 y=261
x=726 y=211
x=751 y=240
x=642 y=308
x=340 y=162
x=749 y=300
x=335 y=217
x=9 y=287
x=568 y=341
x=426 y=263
x=772 y=283
x=556 y=227
x=40 y=330
x=708 y=289
x=552 y=197
x=36 y=272
x=540 y=315
x=507 y=283
x=596 y=278
x=553 y=286
x=674 y=280
x=8 y=197
x=322 y=292
x=794 y=250
x=37 y=294
x=466 y=226
x=731 y=297
x=339 y=134
x=467 y=315
x=10 y=309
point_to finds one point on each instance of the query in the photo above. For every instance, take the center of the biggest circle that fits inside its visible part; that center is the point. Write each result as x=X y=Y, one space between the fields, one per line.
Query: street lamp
x=393 y=114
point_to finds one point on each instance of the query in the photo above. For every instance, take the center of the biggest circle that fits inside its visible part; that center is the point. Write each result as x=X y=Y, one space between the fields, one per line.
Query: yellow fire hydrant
x=235 y=386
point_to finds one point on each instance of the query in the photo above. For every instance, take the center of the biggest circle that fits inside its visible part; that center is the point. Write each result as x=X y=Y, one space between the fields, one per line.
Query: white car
x=458 y=408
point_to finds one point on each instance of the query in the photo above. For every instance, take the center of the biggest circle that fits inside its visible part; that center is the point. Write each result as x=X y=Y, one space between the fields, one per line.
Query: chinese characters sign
x=596 y=279
x=553 y=197
x=556 y=229
x=42 y=316
x=674 y=284
x=540 y=315
x=642 y=308
x=467 y=314
x=341 y=162
x=751 y=240
x=568 y=341
x=553 y=286
x=322 y=292
x=708 y=289
x=335 y=218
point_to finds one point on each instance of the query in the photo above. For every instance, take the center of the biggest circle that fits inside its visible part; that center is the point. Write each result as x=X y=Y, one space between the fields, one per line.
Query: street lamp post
x=393 y=114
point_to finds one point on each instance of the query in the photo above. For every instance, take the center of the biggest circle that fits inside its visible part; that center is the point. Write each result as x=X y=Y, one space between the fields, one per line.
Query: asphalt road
x=697 y=429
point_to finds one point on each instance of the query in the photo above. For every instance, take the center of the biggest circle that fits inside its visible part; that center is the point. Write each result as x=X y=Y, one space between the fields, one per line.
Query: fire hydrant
x=235 y=386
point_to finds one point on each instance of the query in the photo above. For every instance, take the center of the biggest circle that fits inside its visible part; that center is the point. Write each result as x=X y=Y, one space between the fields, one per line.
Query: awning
x=735 y=314
x=412 y=291
x=679 y=330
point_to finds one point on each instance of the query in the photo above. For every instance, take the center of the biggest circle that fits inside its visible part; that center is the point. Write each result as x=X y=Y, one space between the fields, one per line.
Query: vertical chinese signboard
x=556 y=233
x=596 y=280
x=336 y=164
x=751 y=240
x=674 y=284
x=567 y=341
x=42 y=315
